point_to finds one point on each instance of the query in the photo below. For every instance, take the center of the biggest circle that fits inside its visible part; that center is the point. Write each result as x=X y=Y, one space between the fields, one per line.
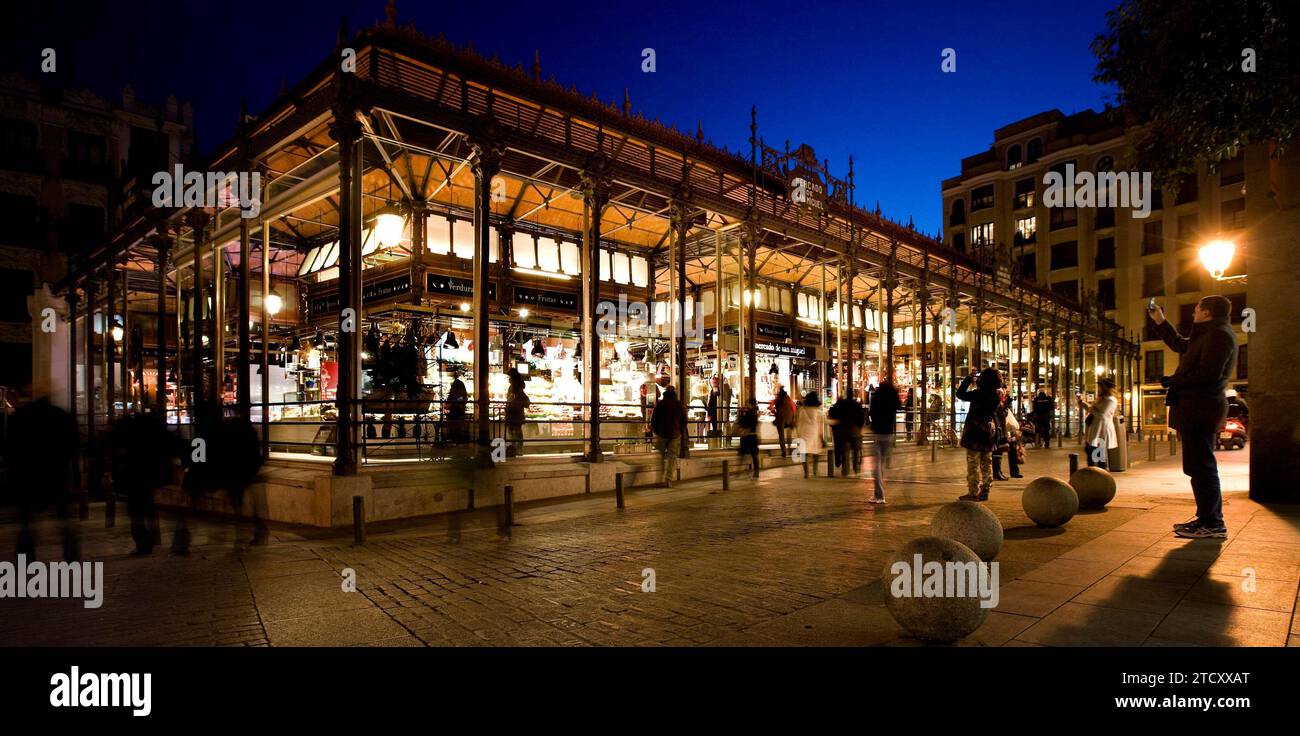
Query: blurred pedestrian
x=667 y=424
x=979 y=434
x=517 y=403
x=747 y=430
x=241 y=460
x=142 y=452
x=41 y=450
x=457 y=410
x=1008 y=438
x=884 y=423
x=783 y=412
x=810 y=425
x=846 y=419
x=1044 y=410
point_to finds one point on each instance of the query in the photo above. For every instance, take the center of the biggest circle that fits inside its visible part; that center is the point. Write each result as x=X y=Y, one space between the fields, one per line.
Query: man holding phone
x=1197 y=404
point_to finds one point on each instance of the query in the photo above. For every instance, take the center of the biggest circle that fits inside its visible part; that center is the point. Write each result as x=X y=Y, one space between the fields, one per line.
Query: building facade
x=64 y=153
x=1111 y=259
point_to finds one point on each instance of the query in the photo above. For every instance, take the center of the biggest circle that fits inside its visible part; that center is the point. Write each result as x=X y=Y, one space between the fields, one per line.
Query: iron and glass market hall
x=435 y=226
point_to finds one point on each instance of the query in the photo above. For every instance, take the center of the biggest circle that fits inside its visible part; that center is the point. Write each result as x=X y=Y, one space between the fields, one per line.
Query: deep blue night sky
x=844 y=77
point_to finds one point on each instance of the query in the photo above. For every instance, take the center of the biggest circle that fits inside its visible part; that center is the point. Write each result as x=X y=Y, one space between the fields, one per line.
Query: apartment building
x=1111 y=257
x=62 y=153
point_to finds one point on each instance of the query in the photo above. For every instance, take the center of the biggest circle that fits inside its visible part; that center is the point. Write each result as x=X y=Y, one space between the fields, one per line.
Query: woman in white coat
x=810 y=425
x=1099 y=433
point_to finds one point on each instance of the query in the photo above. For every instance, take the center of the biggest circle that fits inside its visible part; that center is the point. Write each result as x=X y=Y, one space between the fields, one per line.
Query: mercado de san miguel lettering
x=431 y=220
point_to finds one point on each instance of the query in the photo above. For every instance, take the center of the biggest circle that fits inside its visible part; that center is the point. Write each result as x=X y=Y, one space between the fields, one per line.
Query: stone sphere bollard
x=1095 y=486
x=1049 y=502
x=972 y=524
x=925 y=614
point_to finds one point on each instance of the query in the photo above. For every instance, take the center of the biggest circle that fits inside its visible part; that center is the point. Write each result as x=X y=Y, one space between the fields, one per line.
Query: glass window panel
x=439 y=235
x=622 y=268
x=706 y=302
x=605 y=273
x=332 y=255
x=548 y=255
x=494 y=245
x=570 y=259
x=525 y=250
x=305 y=268
x=462 y=239
x=640 y=271
x=319 y=262
x=369 y=243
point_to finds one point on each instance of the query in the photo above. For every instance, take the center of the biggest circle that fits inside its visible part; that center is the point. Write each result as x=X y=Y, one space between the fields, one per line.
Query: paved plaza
x=781 y=561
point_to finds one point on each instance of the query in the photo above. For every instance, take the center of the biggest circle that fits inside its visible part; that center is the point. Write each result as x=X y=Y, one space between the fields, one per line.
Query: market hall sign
x=789 y=351
x=435 y=283
x=372 y=292
x=546 y=299
x=777 y=331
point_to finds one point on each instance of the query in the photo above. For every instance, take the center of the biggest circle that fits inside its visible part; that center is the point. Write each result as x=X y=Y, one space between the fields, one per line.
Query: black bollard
x=358 y=520
x=1074 y=463
x=471 y=498
x=510 y=507
x=726 y=475
x=618 y=489
x=1151 y=448
x=110 y=511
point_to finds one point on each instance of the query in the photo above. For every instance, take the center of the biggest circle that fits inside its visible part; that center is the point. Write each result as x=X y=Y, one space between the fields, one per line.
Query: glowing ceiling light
x=274 y=304
x=389 y=229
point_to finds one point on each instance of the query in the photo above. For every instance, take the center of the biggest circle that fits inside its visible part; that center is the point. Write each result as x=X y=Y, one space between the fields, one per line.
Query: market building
x=1110 y=258
x=429 y=221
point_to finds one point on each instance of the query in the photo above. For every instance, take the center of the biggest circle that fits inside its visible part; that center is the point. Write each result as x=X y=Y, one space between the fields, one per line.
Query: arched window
x=1035 y=150
x=1013 y=157
x=958 y=212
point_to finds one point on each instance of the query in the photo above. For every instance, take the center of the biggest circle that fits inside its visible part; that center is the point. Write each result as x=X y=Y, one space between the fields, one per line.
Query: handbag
x=1021 y=453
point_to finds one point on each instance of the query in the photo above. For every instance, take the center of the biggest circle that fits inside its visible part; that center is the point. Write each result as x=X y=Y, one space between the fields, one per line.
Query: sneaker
x=1202 y=532
x=969 y=497
x=876 y=500
x=1186 y=524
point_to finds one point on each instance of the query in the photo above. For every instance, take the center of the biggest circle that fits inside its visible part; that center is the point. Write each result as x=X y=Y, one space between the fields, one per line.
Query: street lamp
x=1216 y=256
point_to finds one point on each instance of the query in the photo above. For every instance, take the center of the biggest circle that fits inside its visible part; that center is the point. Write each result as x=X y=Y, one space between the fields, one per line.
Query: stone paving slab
x=782 y=561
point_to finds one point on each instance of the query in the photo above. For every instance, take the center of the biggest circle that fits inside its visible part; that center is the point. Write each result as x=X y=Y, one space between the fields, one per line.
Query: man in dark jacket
x=846 y=419
x=667 y=422
x=1197 y=405
x=884 y=420
x=1044 y=407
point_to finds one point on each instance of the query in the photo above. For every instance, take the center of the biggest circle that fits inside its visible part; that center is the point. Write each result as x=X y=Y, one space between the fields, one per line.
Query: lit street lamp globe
x=1216 y=256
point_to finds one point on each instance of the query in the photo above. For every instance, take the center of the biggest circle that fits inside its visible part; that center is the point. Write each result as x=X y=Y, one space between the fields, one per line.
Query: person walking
x=712 y=402
x=783 y=412
x=1044 y=408
x=747 y=430
x=810 y=425
x=142 y=451
x=1099 y=426
x=1008 y=439
x=457 y=410
x=910 y=410
x=846 y=418
x=667 y=423
x=883 y=412
x=1197 y=405
x=517 y=403
x=979 y=434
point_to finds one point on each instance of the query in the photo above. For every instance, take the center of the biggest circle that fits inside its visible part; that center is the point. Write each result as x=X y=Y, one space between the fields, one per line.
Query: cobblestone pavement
x=784 y=561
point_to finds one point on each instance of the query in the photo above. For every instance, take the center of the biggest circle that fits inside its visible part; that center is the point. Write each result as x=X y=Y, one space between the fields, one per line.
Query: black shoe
x=1000 y=476
x=1017 y=475
x=969 y=497
x=984 y=496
